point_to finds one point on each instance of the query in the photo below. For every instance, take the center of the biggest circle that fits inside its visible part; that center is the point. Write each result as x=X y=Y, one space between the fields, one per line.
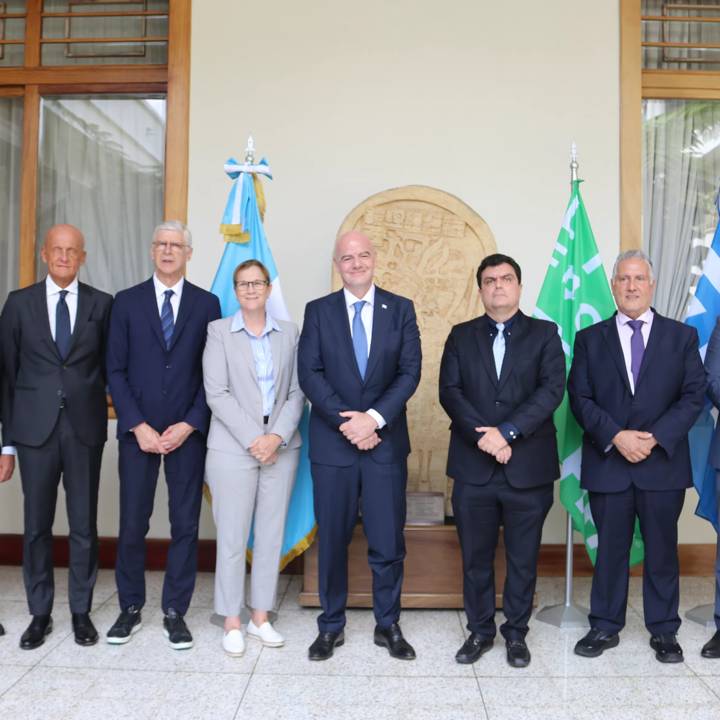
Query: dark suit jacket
x=148 y=382
x=37 y=377
x=712 y=369
x=330 y=378
x=668 y=399
x=530 y=388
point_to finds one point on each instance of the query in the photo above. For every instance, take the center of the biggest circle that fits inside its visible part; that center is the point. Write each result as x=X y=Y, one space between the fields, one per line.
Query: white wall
x=346 y=99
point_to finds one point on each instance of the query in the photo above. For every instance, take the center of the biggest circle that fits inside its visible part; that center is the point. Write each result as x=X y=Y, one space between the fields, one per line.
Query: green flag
x=574 y=295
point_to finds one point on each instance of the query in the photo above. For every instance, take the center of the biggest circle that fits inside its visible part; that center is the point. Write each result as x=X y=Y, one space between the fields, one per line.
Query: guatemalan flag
x=702 y=314
x=245 y=239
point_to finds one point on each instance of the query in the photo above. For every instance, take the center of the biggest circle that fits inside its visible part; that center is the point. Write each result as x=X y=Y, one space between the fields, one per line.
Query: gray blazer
x=712 y=368
x=233 y=393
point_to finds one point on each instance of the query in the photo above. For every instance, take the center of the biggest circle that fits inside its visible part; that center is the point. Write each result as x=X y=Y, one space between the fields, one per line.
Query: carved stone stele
x=429 y=246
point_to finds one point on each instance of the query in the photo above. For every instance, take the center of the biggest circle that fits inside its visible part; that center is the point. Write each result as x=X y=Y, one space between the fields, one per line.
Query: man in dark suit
x=54 y=335
x=7 y=456
x=636 y=386
x=501 y=377
x=359 y=363
x=157 y=337
x=711 y=649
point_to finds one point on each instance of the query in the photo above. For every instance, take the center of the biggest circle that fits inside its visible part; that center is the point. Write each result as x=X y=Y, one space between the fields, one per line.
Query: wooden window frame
x=33 y=80
x=637 y=85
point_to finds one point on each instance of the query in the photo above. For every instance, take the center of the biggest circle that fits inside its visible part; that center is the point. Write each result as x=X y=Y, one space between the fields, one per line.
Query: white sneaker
x=266 y=634
x=233 y=643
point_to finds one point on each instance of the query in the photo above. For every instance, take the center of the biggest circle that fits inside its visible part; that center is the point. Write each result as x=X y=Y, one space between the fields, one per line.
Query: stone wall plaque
x=429 y=245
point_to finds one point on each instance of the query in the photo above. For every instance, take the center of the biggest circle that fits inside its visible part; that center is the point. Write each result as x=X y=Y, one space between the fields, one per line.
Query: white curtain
x=101 y=168
x=681 y=168
x=11 y=125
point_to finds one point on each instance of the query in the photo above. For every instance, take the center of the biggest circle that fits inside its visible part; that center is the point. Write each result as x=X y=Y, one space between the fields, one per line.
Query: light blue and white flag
x=702 y=314
x=245 y=239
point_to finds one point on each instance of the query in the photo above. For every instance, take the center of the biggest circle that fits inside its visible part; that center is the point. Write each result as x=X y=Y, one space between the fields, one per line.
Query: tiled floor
x=146 y=679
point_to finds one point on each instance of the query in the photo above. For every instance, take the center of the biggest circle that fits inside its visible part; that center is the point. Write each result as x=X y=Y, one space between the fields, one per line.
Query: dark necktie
x=359 y=339
x=166 y=318
x=62 y=326
x=637 y=348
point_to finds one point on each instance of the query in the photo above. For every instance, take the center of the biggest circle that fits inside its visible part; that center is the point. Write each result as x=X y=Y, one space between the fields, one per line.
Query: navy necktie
x=637 y=349
x=359 y=339
x=166 y=318
x=62 y=326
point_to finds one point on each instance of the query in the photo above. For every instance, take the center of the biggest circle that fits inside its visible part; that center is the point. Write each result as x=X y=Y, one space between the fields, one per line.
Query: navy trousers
x=614 y=515
x=338 y=491
x=184 y=473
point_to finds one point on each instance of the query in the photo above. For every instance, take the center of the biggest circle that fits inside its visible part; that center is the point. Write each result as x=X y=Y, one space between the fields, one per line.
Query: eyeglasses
x=245 y=285
x=174 y=247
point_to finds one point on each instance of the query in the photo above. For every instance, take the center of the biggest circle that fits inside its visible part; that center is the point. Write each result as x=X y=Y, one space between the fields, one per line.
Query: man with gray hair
x=636 y=387
x=156 y=342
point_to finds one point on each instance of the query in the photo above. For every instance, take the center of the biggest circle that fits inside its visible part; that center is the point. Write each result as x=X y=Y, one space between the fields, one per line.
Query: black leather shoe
x=2 y=629
x=475 y=646
x=84 y=630
x=40 y=626
x=324 y=645
x=128 y=623
x=596 y=642
x=667 y=649
x=392 y=638
x=518 y=655
x=176 y=631
x=711 y=649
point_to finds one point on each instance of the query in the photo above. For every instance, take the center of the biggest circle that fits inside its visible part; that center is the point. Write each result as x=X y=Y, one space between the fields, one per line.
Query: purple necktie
x=637 y=348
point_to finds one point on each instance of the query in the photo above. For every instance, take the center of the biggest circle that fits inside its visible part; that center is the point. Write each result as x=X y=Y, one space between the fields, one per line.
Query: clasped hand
x=493 y=443
x=151 y=441
x=634 y=445
x=264 y=448
x=360 y=429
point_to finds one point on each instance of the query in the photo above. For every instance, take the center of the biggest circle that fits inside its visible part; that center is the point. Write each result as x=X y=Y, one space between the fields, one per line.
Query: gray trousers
x=242 y=489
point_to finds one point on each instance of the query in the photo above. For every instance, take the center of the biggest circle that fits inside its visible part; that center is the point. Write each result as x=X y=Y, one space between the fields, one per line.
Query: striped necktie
x=166 y=318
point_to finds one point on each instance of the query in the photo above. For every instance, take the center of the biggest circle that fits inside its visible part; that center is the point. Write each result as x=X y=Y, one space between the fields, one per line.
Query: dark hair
x=248 y=264
x=498 y=259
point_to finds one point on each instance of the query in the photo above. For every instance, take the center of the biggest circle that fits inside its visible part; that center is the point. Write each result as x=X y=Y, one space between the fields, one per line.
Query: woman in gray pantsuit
x=250 y=374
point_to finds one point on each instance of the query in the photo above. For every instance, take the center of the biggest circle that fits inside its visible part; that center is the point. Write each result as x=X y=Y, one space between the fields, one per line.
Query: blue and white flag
x=702 y=314
x=245 y=240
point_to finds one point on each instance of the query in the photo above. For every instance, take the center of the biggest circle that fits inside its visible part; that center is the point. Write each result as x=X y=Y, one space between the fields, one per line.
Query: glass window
x=101 y=168
x=11 y=128
x=12 y=33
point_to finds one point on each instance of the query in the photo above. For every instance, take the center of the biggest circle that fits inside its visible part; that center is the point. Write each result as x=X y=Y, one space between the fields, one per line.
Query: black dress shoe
x=711 y=649
x=84 y=630
x=324 y=645
x=128 y=623
x=666 y=647
x=40 y=626
x=392 y=638
x=2 y=629
x=475 y=646
x=518 y=655
x=176 y=631
x=596 y=642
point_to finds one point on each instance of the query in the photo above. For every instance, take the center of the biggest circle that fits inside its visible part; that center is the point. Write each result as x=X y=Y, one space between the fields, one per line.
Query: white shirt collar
x=369 y=297
x=52 y=288
x=646 y=317
x=160 y=287
x=238 y=323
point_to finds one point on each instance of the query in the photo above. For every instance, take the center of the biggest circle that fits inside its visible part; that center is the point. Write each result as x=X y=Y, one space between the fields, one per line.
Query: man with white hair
x=157 y=337
x=636 y=387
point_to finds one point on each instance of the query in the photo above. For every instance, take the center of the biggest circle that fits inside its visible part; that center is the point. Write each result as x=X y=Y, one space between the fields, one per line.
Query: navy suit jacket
x=148 y=382
x=329 y=376
x=37 y=377
x=530 y=387
x=668 y=398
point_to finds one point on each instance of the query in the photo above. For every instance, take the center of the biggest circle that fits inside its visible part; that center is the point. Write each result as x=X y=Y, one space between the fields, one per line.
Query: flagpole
x=568 y=614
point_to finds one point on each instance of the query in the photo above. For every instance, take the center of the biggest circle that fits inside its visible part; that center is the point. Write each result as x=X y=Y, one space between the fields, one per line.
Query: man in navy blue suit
x=359 y=363
x=156 y=342
x=636 y=386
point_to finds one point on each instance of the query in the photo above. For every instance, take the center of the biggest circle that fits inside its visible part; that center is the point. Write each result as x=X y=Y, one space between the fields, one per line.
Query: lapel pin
x=384 y=306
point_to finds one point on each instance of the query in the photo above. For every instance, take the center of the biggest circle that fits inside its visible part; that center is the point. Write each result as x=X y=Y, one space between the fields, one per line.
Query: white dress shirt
x=625 y=332
x=160 y=289
x=53 y=296
x=366 y=315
